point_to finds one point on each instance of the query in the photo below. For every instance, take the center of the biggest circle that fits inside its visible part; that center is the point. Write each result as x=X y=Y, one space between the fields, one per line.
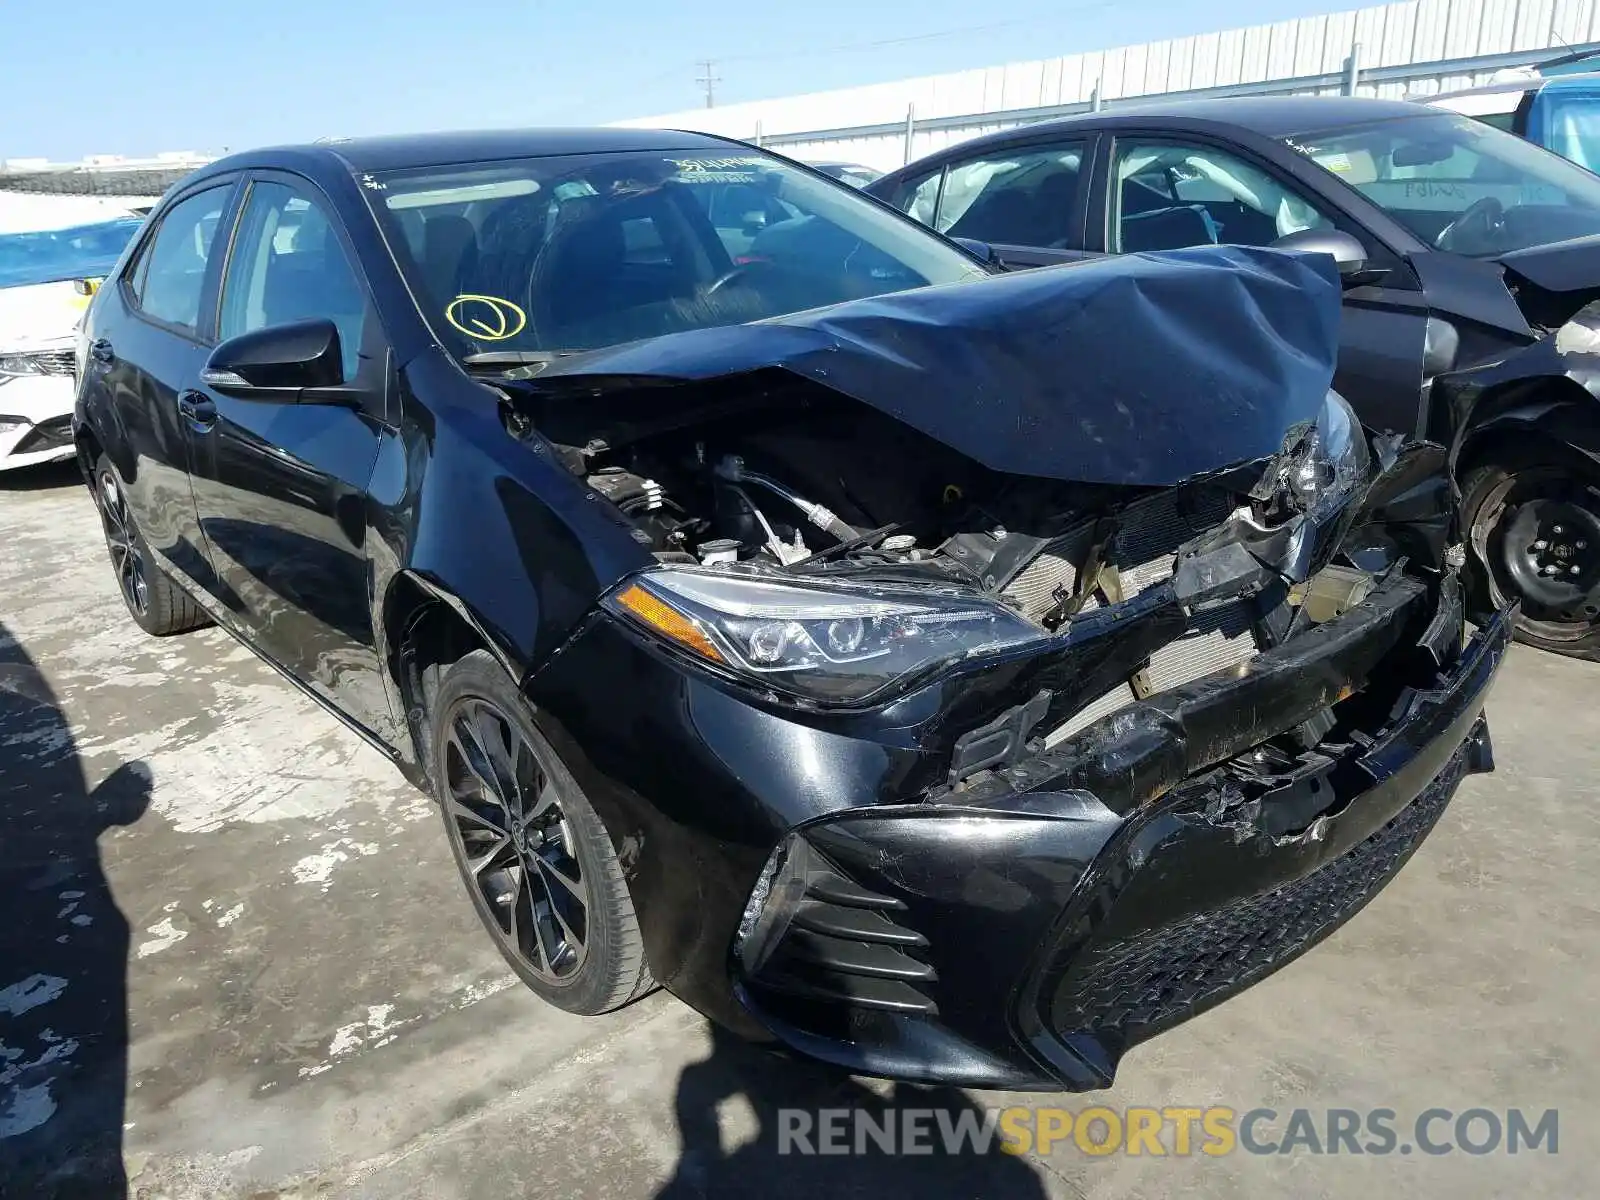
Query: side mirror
x=1349 y=255
x=298 y=363
x=982 y=251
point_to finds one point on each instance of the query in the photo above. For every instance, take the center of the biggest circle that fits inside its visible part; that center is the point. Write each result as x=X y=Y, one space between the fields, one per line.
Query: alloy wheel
x=514 y=841
x=127 y=560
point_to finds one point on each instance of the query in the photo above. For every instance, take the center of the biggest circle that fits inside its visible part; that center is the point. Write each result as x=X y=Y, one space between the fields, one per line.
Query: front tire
x=1532 y=517
x=158 y=605
x=537 y=861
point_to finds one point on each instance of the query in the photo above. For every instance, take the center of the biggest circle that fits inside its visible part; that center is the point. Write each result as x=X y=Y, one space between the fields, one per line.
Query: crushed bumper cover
x=1027 y=932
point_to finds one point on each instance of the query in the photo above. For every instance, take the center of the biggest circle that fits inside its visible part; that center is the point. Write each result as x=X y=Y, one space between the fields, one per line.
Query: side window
x=288 y=265
x=1169 y=195
x=170 y=274
x=1025 y=198
x=919 y=198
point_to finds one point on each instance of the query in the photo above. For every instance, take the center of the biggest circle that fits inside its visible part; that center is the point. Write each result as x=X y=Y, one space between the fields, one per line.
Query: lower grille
x=46 y=435
x=849 y=945
x=1133 y=989
x=1147 y=540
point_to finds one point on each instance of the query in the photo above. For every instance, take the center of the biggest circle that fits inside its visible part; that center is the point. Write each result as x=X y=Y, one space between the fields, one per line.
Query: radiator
x=1148 y=537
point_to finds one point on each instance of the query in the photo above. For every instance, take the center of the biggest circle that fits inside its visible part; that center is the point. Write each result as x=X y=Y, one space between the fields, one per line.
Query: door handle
x=198 y=409
x=100 y=351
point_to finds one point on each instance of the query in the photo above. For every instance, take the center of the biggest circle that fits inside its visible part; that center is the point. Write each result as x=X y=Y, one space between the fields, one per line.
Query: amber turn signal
x=668 y=622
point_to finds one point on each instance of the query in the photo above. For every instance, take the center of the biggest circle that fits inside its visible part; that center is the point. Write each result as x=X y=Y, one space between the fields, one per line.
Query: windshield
x=583 y=251
x=83 y=252
x=1460 y=185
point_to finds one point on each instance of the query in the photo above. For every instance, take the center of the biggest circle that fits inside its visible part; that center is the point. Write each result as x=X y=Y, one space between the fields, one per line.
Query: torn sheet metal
x=1092 y=372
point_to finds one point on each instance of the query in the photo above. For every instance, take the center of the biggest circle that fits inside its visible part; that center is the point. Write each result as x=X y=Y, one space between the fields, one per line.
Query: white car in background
x=46 y=278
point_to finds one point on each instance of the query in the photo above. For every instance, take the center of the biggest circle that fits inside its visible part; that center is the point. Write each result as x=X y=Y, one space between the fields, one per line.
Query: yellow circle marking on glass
x=486 y=318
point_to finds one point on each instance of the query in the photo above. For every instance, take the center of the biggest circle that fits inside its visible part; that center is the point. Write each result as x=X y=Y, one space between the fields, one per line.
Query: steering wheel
x=1484 y=217
x=738 y=273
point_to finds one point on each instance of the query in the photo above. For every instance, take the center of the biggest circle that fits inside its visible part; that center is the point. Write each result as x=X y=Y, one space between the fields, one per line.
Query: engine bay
x=812 y=483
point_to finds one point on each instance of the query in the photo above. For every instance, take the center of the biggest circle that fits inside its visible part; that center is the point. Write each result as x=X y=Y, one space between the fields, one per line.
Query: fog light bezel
x=774 y=901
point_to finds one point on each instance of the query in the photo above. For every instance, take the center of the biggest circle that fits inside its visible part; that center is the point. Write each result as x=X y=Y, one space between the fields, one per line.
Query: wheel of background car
x=1533 y=522
x=157 y=605
x=1483 y=216
x=536 y=859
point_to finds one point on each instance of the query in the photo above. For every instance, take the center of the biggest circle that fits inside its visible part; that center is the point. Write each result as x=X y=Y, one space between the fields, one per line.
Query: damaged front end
x=991 y=758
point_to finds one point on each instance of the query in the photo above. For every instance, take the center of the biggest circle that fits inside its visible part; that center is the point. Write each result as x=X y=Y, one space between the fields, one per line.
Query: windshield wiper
x=520 y=364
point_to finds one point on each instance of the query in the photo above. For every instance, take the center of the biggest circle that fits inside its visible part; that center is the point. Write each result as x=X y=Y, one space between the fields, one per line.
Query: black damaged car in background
x=1471 y=268
x=949 y=676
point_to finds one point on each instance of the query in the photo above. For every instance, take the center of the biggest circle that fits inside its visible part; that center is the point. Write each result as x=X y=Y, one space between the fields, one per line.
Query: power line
x=708 y=79
x=707 y=66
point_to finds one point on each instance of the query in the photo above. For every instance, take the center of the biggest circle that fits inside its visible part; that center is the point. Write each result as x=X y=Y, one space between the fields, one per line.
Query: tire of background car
x=1531 y=508
x=537 y=862
x=158 y=605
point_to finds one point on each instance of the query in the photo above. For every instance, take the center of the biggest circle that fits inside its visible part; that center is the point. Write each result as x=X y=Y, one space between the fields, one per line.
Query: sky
x=113 y=77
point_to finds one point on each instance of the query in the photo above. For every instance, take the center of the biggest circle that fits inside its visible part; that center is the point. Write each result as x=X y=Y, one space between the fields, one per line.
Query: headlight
x=12 y=424
x=833 y=644
x=14 y=365
x=1330 y=461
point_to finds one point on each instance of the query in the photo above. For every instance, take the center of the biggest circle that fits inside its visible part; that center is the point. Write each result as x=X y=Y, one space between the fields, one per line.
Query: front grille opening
x=1127 y=990
x=46 y=435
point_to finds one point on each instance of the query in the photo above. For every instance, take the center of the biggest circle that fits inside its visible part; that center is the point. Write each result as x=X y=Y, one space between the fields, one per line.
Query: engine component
x=719 y=550
x=731 y=468
x=629 y=492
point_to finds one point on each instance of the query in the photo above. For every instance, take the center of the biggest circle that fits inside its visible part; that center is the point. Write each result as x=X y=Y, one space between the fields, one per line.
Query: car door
x=149 y=339
x=280 y=487
x=1167 y=192
x=1027 y=201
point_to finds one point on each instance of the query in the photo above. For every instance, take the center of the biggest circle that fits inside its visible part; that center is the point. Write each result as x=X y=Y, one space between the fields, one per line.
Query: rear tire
x=1532 y=516
x=536 y=859
x=157 y=605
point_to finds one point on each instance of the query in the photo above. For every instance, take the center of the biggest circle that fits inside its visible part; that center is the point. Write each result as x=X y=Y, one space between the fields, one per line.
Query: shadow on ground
x=785 y=1095
x=63 y=951
x=47 y=477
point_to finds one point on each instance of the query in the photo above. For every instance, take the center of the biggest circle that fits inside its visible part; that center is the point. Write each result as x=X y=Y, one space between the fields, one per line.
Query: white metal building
x=1413 y=48
x=36 y=194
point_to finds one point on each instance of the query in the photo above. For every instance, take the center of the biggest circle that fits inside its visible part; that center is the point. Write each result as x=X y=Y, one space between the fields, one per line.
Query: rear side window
x=170 y=275
x=919 y=198
x=1023 y=198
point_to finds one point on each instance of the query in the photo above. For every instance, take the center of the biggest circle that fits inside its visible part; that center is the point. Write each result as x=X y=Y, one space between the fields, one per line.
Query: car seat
x=1168 y=229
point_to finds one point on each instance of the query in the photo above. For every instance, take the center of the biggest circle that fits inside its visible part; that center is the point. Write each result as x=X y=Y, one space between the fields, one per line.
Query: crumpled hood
x=1570 y=266
x=1145 y=369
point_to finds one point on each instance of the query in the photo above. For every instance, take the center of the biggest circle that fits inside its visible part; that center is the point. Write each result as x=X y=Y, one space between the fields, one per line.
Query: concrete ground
x=235 y=962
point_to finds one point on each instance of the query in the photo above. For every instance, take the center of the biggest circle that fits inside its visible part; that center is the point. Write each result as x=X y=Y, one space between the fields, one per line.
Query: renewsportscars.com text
x=1158 y=1132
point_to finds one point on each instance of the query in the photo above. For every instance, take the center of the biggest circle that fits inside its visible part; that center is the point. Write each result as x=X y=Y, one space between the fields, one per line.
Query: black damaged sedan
x=946 y=676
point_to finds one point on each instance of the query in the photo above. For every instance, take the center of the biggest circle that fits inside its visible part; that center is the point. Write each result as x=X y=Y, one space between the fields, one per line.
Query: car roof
x=1269 y=116
x=1532 y=83
x=401 y=151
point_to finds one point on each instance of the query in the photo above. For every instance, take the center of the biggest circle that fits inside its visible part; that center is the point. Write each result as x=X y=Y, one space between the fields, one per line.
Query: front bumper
x=35 y=420
x=1025 y=927
x=1028 y=937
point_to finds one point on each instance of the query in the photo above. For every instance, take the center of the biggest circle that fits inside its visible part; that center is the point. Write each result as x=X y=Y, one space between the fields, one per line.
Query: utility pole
x=709 y=80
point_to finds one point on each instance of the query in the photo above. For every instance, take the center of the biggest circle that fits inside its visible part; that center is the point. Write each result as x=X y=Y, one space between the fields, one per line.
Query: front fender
x=1551 y=388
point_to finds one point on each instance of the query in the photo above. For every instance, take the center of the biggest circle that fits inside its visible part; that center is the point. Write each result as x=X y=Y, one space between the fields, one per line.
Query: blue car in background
x=46 y=278
x=1560 y=112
